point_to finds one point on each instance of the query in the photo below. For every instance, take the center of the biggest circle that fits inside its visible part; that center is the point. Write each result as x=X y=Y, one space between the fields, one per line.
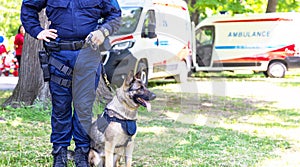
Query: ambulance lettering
x=249 y=34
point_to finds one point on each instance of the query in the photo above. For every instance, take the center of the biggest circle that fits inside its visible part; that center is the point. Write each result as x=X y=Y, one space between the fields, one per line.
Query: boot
x=81 y=156
x=59 y=156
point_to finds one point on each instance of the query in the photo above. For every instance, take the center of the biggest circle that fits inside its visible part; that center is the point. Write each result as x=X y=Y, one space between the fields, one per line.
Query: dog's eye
x=138 y=89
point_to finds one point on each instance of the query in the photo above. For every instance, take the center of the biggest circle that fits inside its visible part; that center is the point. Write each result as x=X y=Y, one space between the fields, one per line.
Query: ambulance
x=155 y=38
x=267 y=43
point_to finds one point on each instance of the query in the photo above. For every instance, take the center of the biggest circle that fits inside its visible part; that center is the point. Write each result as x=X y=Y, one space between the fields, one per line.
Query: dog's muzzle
x=143 y=99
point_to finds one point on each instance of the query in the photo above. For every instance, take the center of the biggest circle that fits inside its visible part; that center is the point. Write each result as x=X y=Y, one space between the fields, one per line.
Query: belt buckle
x=76 y=45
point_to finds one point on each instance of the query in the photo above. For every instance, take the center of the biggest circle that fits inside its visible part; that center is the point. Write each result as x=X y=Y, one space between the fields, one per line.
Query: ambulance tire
x=276 y=70
x=143 y=68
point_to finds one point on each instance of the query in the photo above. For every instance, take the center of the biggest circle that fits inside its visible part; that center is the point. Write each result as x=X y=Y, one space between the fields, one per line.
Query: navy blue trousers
x=72 y=106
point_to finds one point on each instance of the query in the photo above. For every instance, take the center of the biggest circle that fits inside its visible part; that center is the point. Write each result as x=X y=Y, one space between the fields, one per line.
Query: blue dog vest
x=129 y=126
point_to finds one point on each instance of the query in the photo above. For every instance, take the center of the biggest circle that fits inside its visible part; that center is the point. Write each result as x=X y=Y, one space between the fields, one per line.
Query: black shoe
x=81 y=156
x=59 y=156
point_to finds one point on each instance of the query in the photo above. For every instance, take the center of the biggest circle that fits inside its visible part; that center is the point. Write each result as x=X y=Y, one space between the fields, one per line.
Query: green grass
x=293 y=73
x=226 y=74
x=163 y=141
x=4 y=95
x=192 y=145
x=25 y=137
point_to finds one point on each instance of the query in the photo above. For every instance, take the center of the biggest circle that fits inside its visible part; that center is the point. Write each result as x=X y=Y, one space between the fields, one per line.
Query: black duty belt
x=64 y=45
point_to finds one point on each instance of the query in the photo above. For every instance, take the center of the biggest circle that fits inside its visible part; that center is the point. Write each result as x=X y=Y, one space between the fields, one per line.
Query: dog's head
x=138 y=91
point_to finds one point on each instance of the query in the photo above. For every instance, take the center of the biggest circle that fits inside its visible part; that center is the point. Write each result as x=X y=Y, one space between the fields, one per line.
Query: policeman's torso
x=74 y=19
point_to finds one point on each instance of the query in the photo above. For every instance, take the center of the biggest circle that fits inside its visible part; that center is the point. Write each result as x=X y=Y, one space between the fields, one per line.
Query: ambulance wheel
x=143 y=68
x=276 y=70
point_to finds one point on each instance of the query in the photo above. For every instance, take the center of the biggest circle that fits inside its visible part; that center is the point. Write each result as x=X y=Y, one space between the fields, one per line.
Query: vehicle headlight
x=123 y=45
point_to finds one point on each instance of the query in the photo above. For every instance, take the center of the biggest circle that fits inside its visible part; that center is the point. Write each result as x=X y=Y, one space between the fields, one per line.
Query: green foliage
x=288 y=6
x=208 y=8
x=9 y=20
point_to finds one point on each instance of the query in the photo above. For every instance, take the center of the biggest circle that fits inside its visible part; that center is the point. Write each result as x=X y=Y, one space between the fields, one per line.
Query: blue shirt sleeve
x=30 y=16
x=112 y=16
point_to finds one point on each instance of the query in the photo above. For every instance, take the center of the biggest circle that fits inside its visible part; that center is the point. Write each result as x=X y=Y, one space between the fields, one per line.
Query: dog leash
x=106 y=81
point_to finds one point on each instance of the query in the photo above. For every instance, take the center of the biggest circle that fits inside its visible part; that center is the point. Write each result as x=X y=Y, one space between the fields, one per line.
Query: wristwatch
x=104 y=31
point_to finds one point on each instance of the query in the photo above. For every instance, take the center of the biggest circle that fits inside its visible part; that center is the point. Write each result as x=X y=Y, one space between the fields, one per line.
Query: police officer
x=74 y=66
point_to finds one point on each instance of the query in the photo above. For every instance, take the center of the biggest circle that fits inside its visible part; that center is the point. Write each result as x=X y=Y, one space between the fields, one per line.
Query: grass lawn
x=193 y=130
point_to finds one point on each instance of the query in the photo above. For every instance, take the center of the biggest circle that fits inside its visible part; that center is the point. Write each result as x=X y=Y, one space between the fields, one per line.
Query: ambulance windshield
x=130 y=19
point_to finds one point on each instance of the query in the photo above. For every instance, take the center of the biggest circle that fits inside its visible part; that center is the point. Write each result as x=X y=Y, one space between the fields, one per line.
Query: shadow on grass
x=183 y=140
x=168 y=143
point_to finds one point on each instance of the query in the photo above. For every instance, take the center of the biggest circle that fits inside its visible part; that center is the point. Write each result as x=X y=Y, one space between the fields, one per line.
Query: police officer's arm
x=30 y=19
x=111 y=23
x=112 y=16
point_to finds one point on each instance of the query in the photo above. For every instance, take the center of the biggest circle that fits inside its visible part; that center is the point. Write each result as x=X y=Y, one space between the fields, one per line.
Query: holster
x=44 y=62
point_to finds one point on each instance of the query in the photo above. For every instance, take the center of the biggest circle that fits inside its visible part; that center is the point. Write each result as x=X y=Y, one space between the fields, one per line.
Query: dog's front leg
x=109 y=153
x=128 y=154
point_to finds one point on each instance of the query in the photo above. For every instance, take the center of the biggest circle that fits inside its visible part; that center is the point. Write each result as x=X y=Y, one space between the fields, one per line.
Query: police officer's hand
x=46 y=34
x=95 y=38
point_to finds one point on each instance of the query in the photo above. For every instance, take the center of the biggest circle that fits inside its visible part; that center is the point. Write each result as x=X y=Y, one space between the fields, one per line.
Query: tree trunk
x=271 y=8
x=195 y=15
x=30 y=85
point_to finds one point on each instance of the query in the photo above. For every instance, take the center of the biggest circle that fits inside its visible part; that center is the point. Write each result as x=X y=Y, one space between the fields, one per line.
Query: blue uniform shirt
x=73 y=19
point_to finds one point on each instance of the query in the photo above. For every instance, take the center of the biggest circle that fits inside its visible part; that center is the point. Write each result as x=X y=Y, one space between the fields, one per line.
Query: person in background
x=78 y=28
x=18 y=43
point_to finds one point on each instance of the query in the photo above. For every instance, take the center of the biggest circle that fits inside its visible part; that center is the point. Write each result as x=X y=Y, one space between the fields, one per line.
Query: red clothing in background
x=19 y=39
x=2 y=49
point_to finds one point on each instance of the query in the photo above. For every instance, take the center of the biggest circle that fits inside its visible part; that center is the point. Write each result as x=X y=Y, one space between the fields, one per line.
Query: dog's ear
x=128 y=79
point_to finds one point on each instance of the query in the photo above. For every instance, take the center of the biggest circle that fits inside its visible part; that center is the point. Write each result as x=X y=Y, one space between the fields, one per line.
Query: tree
x=200 y=9
x=271 y=6
x=30 y=85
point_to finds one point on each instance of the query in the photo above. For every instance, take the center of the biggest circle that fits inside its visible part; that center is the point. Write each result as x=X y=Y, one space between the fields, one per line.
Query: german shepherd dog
x=112 y=134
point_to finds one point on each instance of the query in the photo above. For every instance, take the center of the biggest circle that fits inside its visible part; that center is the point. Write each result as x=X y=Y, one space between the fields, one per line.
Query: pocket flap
x=90 y=3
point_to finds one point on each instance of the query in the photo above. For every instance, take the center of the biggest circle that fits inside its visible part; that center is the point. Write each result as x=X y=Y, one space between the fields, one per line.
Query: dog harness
x=129 y=126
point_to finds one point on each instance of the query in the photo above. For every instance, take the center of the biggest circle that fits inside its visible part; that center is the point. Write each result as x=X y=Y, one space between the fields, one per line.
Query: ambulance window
x=130 y=20
x=148 y=30
x=205 y=36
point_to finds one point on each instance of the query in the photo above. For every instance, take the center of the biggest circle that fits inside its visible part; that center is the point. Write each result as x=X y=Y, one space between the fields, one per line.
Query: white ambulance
x=155 y=38
x=266 y=43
